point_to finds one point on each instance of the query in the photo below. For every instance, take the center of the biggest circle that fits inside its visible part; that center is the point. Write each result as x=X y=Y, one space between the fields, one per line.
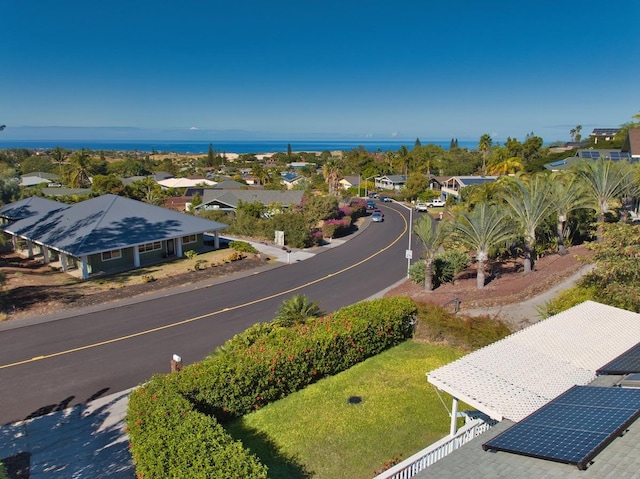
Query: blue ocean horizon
x=227 y=146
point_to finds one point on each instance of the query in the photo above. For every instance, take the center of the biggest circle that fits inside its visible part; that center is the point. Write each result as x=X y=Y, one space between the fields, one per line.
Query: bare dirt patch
x=509 y=285
x=33 y=288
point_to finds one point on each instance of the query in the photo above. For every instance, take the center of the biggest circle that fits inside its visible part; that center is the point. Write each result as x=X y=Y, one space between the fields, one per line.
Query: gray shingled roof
x=106 y=223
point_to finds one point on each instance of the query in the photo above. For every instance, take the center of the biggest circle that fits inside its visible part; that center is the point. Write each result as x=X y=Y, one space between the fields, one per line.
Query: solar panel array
x=620 y=155
x=627 y=363
x=574 y=427
x=590 y=154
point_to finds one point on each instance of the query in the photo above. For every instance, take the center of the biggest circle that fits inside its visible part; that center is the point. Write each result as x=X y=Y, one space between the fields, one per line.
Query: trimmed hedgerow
x=172 y=439
x=175 y=420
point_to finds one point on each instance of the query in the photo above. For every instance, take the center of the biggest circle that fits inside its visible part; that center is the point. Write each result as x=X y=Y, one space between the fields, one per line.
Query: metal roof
x=265 y=197
x=106 y=223
x=517 y=375
x=28 y=207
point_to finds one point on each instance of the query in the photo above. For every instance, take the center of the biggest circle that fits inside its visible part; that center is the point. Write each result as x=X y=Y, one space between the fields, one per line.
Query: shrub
x=568 y=299
x=243 y=247
x=447 y=265
x=235 y=256
x=436 y=324
x=416 y=272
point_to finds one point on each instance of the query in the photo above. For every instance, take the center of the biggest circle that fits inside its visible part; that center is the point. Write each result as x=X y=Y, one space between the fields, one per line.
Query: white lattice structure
x=513 y=377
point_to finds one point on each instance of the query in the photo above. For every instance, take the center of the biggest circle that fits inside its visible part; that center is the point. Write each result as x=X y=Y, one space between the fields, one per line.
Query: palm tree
x=484 y=145
x=531 y=203
x=59 y=155
x=578 y=134
x=568 y=196
x=331 y=173
x=296 y=310
x=80 y=169
x=432 y=237
x=485 y=227
x=505 y=166
x=605 y=182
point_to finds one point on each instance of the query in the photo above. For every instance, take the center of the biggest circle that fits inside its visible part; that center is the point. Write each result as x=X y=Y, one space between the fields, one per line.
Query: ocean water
x=243 y=146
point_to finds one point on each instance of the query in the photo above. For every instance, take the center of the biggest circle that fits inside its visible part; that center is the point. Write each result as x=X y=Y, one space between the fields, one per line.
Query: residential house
x=390 y=182
x=350 y=182
x=227 y=200
x=604 y=134
x=631 y=144
x=103 y=235
x=185 y=182
x=582 y=154
x=292 y=180
x=39 y=178
x=530 y=380
x=453 y=185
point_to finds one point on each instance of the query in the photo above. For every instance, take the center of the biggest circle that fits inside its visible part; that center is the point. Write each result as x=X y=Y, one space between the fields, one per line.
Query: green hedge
x=174 y=421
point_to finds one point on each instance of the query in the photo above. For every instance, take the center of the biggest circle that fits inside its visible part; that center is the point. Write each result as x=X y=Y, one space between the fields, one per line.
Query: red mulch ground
x=509 y=286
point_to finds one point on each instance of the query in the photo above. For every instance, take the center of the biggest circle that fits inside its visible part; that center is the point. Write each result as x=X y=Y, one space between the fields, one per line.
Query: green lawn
x=316 y=433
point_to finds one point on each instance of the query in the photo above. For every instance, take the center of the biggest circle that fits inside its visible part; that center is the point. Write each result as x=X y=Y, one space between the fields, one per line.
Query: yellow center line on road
x=203 y=316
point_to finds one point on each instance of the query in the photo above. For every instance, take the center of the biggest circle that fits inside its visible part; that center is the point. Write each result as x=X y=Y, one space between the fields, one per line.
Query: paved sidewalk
x=89 y=440
x=525 y=313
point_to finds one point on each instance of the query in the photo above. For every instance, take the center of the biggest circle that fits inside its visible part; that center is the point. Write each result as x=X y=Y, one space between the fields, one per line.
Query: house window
x=189 y=239
x=147 y=247
x=110 y=255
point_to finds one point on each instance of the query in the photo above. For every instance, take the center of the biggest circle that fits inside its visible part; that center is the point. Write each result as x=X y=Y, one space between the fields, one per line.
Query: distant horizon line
x=129 y=133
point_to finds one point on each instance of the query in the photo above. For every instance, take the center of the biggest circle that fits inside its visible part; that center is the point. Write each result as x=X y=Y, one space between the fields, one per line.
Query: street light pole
x=409 y=252
x=366 y=186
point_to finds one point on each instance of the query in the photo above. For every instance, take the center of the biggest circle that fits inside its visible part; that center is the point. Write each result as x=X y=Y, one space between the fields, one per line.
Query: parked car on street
x=377 y=217
x=421 y=206
x=437 y=202
x=371 y=204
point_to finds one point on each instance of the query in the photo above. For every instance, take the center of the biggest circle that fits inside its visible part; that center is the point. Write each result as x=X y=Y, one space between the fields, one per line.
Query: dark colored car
x=371 y=204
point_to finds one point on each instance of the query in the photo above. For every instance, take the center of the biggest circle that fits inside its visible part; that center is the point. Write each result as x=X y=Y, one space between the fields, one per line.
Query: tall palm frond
x=531 y=202
x=433 y=237
x=481 y=229
x=606 y=182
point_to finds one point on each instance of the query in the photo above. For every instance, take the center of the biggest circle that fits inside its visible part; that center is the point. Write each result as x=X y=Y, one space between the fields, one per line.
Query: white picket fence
x=436 y=451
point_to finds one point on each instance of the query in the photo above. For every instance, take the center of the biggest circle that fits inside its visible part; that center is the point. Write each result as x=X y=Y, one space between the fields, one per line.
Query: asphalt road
x=51 y=365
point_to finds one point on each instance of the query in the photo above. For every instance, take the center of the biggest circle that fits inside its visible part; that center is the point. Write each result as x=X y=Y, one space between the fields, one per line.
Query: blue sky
x=325 y=69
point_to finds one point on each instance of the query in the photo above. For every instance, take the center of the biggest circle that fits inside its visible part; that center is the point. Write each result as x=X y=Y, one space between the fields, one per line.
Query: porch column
x=454 y=417
x=136 y=256
x=179 y=247
x=216 y=240
x=29 y=249
x=45 y=255
x=85 y=267
x=14 y=241
x=63 y=262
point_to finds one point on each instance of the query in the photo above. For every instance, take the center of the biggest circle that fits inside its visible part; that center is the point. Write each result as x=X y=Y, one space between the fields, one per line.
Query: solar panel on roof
x=627 y=363
x=574 y=427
